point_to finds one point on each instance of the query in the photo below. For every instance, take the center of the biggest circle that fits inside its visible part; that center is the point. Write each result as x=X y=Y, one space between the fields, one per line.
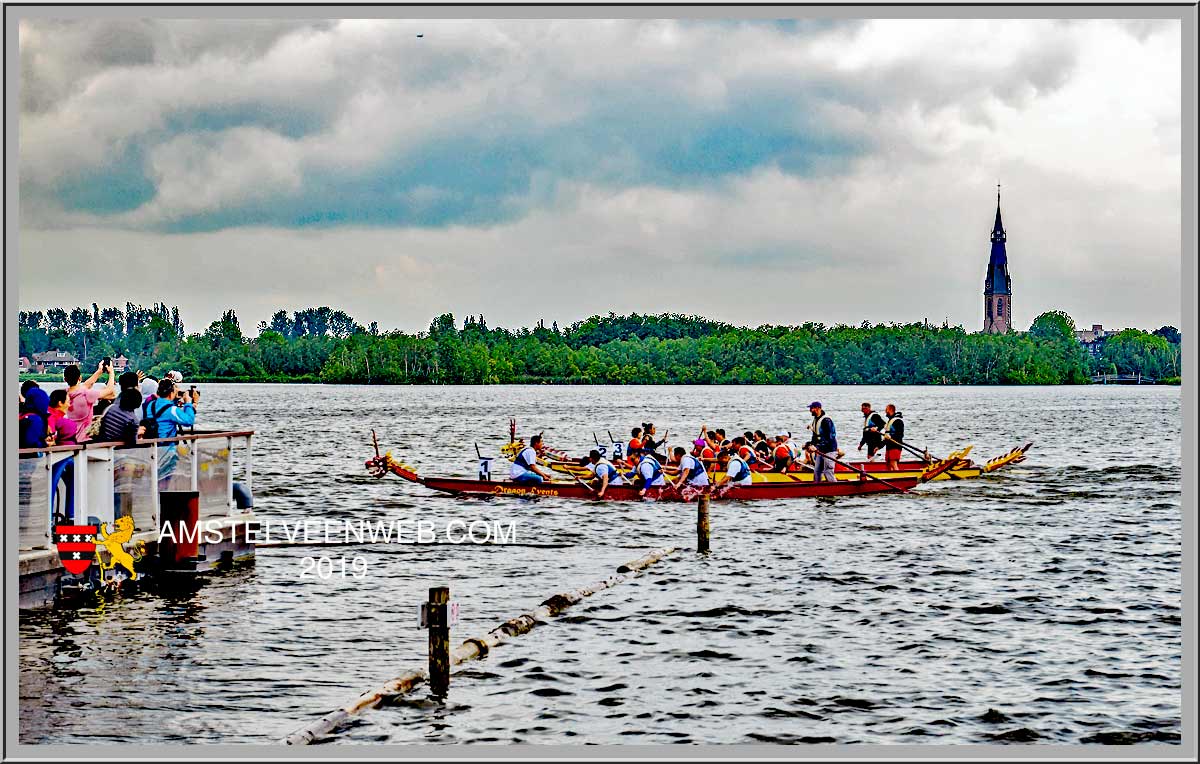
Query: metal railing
x=107 y=480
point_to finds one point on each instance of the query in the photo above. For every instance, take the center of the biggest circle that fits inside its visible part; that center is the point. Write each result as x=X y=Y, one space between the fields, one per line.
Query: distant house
x=23 y=365
x=53 y=360
x=120 y=363
x=1093 y=339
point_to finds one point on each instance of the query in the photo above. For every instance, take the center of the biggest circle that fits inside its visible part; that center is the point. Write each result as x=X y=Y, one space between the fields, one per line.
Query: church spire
x=998 y=228
x=997 y=285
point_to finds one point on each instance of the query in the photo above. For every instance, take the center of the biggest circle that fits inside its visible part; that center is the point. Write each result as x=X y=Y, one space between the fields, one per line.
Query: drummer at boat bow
x=691 y=469
x=823 y=445
x=873 y=425
x=525 y=468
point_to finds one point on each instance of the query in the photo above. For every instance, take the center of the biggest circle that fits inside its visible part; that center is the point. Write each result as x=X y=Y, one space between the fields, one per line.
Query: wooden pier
x=1123 y=379
x=125 y=492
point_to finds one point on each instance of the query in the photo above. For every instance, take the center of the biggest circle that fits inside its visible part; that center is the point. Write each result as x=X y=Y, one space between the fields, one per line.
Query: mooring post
x=439 y=641
x=702 y=528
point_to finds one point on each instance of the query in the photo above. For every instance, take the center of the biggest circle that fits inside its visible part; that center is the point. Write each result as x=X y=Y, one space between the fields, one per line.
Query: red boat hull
x=565 y=490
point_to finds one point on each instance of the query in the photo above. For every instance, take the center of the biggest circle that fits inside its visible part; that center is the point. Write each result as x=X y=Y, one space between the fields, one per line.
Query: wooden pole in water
x=439 y=641
x=702 y=526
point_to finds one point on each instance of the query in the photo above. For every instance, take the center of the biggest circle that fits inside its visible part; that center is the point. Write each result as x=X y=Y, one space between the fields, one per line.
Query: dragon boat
x=793 y=487
x=966 y=468
x=562 y=462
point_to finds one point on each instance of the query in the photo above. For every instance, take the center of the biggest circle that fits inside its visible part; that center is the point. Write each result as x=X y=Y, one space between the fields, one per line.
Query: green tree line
x=326 y=345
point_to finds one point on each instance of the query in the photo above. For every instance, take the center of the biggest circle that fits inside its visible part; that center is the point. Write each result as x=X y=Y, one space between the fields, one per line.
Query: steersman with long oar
x=823 y=445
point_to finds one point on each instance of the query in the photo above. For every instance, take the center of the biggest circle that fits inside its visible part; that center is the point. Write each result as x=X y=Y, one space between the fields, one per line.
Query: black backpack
x=150 y=418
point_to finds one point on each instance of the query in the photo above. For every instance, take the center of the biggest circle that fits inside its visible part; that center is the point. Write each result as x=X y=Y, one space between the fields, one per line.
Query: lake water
x=1048 y=593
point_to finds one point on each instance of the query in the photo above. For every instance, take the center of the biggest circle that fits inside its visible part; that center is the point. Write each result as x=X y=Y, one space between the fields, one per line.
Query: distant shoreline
x=206 y=380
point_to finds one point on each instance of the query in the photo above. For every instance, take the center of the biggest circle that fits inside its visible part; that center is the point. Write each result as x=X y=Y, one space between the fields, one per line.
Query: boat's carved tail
x=1015 y=456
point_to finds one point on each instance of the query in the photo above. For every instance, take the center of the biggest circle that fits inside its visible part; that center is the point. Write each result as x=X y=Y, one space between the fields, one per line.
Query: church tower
x=997 y=287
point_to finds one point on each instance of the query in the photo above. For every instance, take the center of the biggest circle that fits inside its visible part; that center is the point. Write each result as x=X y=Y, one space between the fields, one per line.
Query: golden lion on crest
x=114 y=542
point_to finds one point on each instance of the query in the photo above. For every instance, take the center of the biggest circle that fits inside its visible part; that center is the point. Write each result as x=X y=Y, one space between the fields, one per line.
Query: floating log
x=471 y=649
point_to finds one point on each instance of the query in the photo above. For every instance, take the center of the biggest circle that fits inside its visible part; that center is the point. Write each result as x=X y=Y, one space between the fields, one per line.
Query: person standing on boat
x=872 y=437
x=691 y=469
x=649 y=473
x=525 y=468
x=894 y=431
x=823 y=445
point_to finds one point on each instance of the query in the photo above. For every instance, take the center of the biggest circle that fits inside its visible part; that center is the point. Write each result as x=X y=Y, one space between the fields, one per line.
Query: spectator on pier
x=60 y=427
x=34 y=413
x=26 y=386
x=120 y=423
x=148 y=387
x=82 y=395
x=169 y=410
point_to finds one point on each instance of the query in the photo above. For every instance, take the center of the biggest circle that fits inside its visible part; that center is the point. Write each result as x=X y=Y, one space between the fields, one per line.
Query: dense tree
x=326 y=344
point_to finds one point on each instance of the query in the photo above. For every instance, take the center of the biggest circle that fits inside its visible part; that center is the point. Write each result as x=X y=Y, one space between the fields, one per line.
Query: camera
x=107 y=361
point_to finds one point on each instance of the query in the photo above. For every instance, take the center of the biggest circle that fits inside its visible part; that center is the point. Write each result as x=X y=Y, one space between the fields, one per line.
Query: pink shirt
x=65 y=430
x=79 y=407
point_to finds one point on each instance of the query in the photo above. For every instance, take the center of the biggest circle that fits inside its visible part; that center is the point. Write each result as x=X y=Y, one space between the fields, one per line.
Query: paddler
x=634 y=451
x=893 y=430
x=525 y=468
x=823 y=445
x=649 y=473
x=783 y=453
x=737 y=469
x=691 y=469
x=872 y=437
x=606 y=474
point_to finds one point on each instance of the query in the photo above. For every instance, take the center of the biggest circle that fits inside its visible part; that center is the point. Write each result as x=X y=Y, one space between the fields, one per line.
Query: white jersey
x=647 y=468
x=689 y=463
x=527 y=456
x=738 y=471
x=605 y=467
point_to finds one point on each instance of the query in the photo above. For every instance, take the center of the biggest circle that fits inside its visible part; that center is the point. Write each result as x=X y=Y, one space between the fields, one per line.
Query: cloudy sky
x=753 y=172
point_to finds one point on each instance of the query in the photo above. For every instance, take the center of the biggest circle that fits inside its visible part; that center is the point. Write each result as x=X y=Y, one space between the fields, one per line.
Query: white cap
x=148 y=387
x=783 y=434
x=175 y=376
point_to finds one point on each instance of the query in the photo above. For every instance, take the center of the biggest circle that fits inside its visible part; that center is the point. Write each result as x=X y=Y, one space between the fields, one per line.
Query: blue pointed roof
x=997 y=280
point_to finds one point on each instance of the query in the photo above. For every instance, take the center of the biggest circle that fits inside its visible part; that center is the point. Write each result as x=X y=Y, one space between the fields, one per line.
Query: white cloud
x=1079 y=120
